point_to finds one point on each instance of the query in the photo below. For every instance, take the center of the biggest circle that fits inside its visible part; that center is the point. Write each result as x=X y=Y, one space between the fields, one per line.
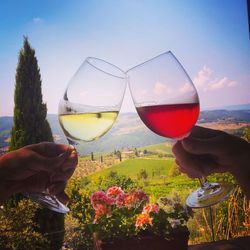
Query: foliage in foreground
x=79 y=224
x=231 y=217
x=121 y=215
x=79 y=233
x=17 y=228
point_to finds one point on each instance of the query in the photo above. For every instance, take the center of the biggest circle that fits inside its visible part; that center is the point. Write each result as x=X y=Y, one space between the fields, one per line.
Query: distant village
x=5 y=149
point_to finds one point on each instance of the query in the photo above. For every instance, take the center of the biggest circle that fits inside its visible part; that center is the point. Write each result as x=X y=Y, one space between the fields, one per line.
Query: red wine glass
x=167 y=102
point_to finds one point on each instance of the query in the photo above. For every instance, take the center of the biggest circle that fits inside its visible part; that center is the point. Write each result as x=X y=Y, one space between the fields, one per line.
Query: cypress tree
x=31 y=126
x=30 y=123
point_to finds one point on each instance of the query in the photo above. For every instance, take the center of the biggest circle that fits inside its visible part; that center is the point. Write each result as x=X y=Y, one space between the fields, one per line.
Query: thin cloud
x=37 y=20
x=160 y=89
x=232 y=84
x=203 y=76
x=218 y=84
x=206 y=81
x=186 y=88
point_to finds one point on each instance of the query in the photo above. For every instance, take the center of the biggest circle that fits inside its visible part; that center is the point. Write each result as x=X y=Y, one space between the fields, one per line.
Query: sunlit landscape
x=127 y=165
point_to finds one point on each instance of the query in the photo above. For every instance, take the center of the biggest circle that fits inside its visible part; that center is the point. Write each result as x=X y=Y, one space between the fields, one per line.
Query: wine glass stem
x=204 y=182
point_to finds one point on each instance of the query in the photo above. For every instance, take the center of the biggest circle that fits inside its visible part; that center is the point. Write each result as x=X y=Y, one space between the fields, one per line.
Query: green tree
x=115 y=179
x=246 y=134
x=119 y=155
x=143 y=175
x=92 y=156
x=31 y=126
x=30 y=123
x=174 y=171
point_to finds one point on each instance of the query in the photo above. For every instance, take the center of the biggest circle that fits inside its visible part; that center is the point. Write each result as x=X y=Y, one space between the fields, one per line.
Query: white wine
x=87 y=126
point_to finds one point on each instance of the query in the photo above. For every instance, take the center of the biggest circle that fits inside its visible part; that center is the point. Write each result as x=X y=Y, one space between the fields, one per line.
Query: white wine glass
x=91 y=101
x=167 y=102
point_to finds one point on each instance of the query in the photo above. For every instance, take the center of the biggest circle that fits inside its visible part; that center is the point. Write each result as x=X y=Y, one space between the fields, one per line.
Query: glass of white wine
x=91 y=101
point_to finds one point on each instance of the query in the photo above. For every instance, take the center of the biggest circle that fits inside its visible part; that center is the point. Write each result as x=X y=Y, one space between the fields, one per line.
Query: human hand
x=37 y=167
x=206 y=151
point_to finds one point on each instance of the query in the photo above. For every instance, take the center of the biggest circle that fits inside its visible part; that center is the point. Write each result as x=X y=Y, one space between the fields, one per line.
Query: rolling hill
x=129 y=131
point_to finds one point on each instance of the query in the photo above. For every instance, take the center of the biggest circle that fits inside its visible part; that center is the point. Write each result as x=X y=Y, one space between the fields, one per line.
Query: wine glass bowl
x=92 y=100
x=164 y=96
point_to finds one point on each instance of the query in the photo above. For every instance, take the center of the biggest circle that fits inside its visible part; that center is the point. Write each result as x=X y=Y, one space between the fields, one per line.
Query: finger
x=64 y=163
x=214 y=145
x=50 y=149
x=71 y=162
x=183 y=170
x=57 y=187
x=36 y=183
x=188 y=173
x=52 y=164
x=62 y=175
x=180 y=167
x=63 y=197
x=193 y=165
x=183 y=160
x=177 y=148
x=203 y=133
x=66 y=170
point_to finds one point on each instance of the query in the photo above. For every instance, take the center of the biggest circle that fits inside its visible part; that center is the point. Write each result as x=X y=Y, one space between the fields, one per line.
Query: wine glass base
x=210 y=195
x=48 y=201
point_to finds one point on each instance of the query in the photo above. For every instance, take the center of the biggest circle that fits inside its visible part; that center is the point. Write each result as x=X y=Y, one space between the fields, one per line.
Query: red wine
x=172 y=120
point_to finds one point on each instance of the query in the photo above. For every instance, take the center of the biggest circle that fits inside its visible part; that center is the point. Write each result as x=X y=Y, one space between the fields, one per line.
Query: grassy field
x=161 y=148
x=160 y=180
x=132 y=167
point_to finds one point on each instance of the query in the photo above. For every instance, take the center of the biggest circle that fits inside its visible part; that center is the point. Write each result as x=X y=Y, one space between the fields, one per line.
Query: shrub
x=174 y=171
x=17 y=229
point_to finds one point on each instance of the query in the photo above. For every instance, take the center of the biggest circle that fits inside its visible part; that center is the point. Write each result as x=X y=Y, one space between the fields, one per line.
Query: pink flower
x=102 y=211
x=102 y=204
x=142 y=220
x=120 y=200
x=142 y=196
x=135 y=198
x=150 y=208
x=100 y=198
x=114 y=191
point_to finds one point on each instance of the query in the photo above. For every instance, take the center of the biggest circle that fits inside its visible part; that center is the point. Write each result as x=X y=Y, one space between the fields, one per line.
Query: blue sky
x=209 y=37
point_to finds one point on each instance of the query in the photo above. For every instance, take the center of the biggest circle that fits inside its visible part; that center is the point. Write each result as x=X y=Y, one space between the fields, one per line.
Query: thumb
x=199 y=146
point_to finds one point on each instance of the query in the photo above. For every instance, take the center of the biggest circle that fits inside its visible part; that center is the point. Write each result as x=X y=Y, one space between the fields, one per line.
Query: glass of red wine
x=167 y=102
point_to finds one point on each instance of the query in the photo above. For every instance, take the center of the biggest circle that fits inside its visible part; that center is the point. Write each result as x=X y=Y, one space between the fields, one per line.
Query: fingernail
x=74 y=152
x=62 y=154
